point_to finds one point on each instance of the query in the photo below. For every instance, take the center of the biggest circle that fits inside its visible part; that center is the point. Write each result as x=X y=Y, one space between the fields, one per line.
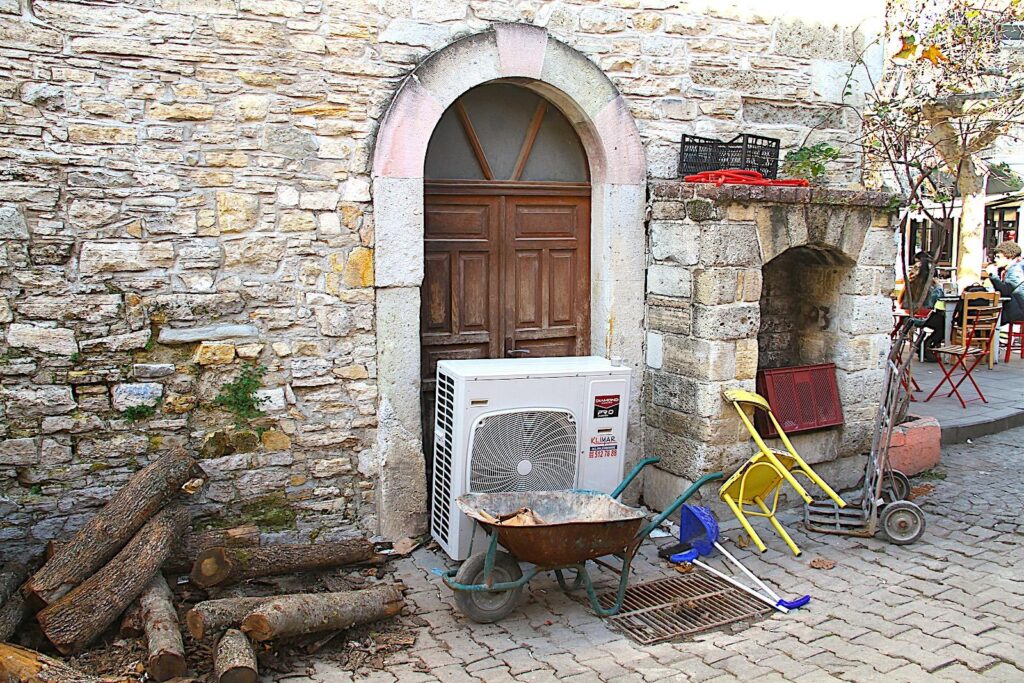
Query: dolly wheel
x=485 y=607
x=895 y=487
x=903 y=522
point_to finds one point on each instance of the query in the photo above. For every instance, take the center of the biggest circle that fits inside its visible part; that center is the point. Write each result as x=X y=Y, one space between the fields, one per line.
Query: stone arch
x=528 y=56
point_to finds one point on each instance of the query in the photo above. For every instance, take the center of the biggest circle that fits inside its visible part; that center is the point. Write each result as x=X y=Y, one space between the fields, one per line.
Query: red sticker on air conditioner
x=606 y=406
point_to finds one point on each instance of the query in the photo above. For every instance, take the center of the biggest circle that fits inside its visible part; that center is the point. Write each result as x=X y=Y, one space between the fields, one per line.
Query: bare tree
x=952 y=87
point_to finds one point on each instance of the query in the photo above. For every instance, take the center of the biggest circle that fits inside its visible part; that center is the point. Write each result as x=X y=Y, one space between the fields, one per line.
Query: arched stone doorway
x=528 y=57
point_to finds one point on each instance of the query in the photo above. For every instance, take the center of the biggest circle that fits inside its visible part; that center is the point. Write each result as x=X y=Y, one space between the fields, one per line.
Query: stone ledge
x=678 y=190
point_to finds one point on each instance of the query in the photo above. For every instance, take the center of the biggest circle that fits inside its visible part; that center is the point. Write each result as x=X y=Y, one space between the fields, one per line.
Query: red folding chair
x=1014 y=339
x=983 y=326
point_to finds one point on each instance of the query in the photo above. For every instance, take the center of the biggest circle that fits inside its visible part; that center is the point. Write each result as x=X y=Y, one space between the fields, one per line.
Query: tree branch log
x=131 y=622
x=219 y=566
x=20 y=665
x=163 y=635
x=295 y=615
x=12 y=604
x=184 y=554
x=75 y=620
x=235 y=660
x=213 y=616
x=108 y=531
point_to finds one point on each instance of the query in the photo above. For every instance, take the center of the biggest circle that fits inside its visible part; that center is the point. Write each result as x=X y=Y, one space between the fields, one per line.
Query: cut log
x=163 y=635
x=213 y=616
x=72 y=622
x=12 y=614
x=184 y=554
x=131 y=622
x=220 y=566
x=12 y=575
x=235 y=661
x=20 y=665
x=296 y=615
x=12 y=605
x=111 y=528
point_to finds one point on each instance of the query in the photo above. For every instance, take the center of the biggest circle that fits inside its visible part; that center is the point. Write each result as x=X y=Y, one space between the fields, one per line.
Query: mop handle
x=750 y=575
x=748 y=589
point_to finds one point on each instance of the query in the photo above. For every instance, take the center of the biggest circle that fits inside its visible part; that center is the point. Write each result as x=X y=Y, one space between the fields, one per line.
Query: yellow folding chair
x=762 y=475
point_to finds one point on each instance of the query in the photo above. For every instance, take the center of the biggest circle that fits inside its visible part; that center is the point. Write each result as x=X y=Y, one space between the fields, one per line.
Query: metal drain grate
x=681 y=606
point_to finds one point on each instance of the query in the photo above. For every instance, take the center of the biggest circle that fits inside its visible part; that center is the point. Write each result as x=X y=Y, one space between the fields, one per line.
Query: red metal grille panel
x=803 y=398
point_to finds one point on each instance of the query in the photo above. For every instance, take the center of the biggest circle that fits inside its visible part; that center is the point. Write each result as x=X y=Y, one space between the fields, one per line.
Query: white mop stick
x=741 y=586
x=746 y=571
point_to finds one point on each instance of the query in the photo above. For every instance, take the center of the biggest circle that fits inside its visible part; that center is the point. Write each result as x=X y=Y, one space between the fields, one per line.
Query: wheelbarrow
x=573 y=527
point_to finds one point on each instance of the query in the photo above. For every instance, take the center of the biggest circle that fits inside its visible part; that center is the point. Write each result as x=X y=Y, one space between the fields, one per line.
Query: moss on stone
x=269 y=513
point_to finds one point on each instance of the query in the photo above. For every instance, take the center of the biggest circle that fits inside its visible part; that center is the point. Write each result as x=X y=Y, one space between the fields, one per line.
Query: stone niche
x=747 y=278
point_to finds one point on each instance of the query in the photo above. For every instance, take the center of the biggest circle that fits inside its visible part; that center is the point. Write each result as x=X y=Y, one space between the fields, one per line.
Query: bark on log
x=20 y=665
x=235 y=661
x=12 y=606
x=295 y=615
x=12 y=614
x=219 y=566
x=131 y=622
x=184 y=554
x=107 y=532
x=72 y=622
x=12 y=575
x=163 y=635
x=212 y=616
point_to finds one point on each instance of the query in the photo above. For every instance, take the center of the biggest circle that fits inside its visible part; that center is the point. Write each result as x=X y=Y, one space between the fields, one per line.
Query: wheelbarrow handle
x=632 y=475
x=677 y=503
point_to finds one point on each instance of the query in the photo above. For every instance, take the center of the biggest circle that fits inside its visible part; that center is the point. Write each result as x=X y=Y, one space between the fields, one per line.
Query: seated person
x=1007 y=260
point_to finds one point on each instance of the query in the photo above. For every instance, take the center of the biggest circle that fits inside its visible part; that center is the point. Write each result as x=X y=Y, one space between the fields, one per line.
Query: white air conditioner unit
x=525 y=424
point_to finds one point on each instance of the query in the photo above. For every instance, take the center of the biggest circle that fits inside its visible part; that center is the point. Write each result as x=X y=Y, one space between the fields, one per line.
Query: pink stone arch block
x=405 y=131
x=521 y=50
x=621 y=141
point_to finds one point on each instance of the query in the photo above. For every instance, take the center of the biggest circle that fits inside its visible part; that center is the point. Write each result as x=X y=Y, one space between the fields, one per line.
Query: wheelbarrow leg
x=620 y=594
x=566 y=587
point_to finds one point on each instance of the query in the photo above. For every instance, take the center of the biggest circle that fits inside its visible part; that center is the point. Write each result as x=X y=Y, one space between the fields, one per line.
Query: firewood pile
x=111 y=576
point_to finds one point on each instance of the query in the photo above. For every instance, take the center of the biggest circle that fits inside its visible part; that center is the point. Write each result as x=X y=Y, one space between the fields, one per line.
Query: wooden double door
x=506 y=275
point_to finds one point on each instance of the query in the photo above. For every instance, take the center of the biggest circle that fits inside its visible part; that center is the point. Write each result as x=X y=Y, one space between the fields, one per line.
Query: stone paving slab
x=948 y=608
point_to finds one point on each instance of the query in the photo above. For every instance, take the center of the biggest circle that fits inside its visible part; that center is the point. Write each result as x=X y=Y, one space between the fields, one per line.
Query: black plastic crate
x=746 y=152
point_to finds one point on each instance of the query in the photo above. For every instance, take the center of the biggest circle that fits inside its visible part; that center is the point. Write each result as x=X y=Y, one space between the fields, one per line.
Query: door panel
x=549 y=304
x=528 y=289
x=502 y=273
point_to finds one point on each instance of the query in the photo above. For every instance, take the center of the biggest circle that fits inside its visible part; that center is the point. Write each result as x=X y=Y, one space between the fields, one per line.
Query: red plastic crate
x=803 y=398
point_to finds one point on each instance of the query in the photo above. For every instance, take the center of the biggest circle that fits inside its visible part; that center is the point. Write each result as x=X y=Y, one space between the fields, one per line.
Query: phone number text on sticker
x=604 y=451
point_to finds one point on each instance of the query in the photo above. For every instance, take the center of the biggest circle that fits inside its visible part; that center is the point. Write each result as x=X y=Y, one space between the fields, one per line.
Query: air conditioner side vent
x=444 y=423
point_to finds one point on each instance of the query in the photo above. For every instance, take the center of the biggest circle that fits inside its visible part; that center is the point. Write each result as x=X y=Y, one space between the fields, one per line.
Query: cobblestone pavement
x=948 y=608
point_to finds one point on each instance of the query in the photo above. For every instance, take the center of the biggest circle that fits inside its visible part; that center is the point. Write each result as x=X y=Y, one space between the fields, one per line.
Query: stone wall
x=186 y=190
x=708 y=248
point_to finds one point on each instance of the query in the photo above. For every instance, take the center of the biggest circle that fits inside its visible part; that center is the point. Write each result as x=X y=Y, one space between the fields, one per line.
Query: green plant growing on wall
x=239 y=396
x=137 y=413
x=809 y=163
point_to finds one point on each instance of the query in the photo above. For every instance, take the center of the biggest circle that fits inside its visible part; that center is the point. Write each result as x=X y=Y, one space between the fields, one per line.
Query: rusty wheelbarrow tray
x=577 y=526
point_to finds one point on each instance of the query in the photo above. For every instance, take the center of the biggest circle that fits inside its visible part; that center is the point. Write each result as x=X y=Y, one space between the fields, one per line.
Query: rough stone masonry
x=185 y=190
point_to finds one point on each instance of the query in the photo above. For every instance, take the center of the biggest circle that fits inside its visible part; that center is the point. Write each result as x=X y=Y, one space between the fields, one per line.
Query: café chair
x=982 y=325
x=971 y=301
x=760 y=479
x=1014 y=333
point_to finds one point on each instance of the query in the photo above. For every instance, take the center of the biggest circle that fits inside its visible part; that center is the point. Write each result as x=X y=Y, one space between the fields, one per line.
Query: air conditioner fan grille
x=530 y=450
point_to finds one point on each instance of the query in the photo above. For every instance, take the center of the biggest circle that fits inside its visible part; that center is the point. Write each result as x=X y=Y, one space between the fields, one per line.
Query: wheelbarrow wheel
x=895 y=487
x=903 y=522
x=486 y=607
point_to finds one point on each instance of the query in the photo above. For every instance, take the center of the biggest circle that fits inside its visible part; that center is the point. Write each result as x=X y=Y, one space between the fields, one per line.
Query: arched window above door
x=502 y=132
